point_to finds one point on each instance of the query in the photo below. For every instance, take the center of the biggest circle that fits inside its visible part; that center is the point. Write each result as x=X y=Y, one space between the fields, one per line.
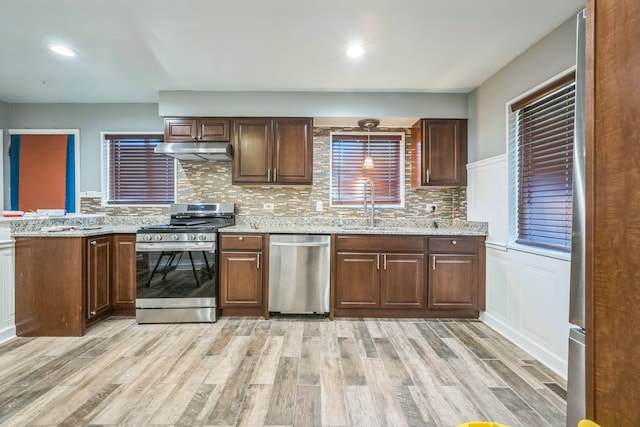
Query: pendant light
x=368 y=123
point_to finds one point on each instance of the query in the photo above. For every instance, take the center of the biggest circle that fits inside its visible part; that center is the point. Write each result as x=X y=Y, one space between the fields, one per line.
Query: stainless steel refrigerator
x=576 y=392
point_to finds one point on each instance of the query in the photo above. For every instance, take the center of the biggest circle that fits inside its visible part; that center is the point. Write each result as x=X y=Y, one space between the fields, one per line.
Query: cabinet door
x=180 y=129
x=453 y=281
x=252 y=156
x=357 y=280
x=439 y=152
x=402 y=281
x=445 y=152
x=98 y=276
x=293 y=151
x=211 y=129
x=240 y=279
x=124 y=271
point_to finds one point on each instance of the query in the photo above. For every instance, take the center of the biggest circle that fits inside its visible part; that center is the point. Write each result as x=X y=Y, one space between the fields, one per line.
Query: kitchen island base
x=66 y=284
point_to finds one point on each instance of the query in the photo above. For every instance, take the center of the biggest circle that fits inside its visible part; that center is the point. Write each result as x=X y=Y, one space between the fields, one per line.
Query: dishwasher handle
x=301 y=244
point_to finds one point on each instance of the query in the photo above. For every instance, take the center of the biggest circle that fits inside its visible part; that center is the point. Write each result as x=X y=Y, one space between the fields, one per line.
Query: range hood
x=219 y=151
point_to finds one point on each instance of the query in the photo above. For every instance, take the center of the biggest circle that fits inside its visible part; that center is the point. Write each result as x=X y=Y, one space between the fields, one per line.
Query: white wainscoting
x=7 y=291
x=527 y=291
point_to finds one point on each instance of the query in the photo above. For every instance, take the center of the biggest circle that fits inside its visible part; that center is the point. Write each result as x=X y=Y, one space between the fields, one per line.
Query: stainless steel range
x=176 y=265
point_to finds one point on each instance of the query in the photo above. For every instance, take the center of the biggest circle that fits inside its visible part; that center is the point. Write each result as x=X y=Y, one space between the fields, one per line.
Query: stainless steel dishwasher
x=299 y=273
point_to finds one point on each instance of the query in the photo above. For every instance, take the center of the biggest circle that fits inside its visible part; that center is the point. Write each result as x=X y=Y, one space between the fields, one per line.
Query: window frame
x=105 y=173
x=561 y=80
x=401 y=178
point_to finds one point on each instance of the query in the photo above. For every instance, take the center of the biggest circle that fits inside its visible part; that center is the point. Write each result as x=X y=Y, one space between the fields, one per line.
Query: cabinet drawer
x=375 y=243
x=453 y=244
x=241 y=242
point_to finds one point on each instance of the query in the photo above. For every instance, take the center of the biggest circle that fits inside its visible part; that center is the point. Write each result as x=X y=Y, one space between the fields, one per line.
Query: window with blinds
x=348 y=152
x=541 y=127
x=134 y=174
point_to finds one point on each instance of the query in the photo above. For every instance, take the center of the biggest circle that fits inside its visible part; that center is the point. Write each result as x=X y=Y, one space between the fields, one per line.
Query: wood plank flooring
x=286 y=371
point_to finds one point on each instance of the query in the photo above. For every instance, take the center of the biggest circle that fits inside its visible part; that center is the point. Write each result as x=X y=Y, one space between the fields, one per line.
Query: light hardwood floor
x=286 y=371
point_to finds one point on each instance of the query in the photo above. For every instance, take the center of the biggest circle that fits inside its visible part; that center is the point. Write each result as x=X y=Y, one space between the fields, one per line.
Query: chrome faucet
x=373 y=200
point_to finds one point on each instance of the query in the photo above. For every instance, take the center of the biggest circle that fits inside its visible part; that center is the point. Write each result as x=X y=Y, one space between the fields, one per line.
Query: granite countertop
x=297 y=229
x=77 y=231
x=276 y=225
x=80 y=225
x=100 y=225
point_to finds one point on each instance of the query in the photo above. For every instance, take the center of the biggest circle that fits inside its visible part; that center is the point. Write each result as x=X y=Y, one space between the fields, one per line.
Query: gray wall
x=91 y=119
x=4 y=115
x=4 y=124
x=320 y=105
x=552 y=55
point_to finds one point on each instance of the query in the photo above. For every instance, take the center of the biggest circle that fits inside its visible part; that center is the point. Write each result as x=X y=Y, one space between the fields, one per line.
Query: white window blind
x=542 y=128
x=348 y=152
x=134 y=173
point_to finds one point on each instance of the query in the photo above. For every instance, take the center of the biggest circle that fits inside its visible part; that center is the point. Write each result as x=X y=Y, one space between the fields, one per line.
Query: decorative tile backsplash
x=92 y=205
x=208 y=181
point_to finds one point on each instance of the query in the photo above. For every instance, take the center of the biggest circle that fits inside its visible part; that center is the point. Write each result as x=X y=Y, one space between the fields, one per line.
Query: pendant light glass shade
x=368 y=163
x=368 y=123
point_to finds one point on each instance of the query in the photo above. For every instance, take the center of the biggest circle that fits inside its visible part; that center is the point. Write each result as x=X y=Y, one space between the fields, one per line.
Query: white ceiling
x=128 y=50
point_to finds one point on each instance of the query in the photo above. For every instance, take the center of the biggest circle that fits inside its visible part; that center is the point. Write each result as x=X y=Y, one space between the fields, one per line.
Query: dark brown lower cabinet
x=124 y=274
x=453 y=282
x=241 y=279
x=242 y=274
x=384 y=276
x=357 y=280
x=378 y=275
x=380 y=280
x=456 y=278
x=50 y=290
x=402 y=281
x=98 y=281
x=64 y=284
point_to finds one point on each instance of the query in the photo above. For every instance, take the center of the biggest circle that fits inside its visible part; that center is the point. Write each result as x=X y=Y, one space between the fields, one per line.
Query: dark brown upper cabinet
x=191 y=129
x=439 y=152
x=273 y=151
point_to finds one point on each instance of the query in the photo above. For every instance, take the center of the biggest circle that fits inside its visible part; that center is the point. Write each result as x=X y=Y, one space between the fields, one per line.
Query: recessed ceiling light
x=355 y=51
x=62 y=50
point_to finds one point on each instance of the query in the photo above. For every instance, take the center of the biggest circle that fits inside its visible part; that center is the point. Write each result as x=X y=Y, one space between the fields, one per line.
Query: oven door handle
x=150 y=247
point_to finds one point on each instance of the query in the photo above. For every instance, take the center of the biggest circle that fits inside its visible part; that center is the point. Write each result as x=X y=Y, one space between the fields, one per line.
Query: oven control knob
x=202 y=237
x=148 y=237
x=192 y=237
x=174 y=237
x=157 y=237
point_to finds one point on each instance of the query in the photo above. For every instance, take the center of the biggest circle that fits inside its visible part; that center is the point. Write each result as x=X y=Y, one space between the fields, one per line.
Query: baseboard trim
x=550 y=360
x=7 y=334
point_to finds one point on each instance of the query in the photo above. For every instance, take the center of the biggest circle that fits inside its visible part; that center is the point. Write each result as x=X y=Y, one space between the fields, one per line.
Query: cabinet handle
x=275 y=174
x=453 y=242
x=428 y=175
x=93 y=242
x=195 y=138
x=258 y=262
x=378 y=261
x=241 y=238
x=268 y=175
x=93 y=313
x=384 y=261
x=433 y=262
